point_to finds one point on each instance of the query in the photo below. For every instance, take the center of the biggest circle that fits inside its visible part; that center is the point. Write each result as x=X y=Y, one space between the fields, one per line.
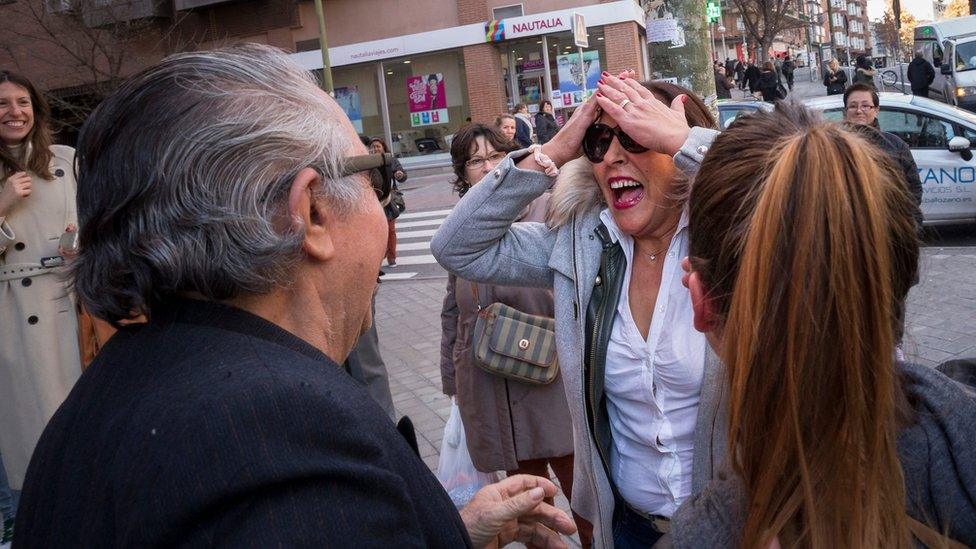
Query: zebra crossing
x=414 y=231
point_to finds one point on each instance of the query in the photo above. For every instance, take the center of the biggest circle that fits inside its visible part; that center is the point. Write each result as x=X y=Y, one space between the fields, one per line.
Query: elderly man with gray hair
x=228 y=199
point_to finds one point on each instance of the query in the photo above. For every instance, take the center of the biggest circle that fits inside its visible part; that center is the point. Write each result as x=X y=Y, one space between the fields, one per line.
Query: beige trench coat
x=39 y=358
x=505 y=422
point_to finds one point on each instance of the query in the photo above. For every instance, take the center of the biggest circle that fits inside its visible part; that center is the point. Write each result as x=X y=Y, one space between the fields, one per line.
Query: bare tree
x=764 y=20
x=88 y=44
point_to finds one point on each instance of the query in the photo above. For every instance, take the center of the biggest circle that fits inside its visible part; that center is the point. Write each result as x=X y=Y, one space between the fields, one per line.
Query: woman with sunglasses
x=509 y=426
x=633 y=366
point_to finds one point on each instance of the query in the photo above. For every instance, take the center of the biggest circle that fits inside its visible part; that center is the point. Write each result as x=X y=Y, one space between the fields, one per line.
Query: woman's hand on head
x=658 y=127
x=566 y=144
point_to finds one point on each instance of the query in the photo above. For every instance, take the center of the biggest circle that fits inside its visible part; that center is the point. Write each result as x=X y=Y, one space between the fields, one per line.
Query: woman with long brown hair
x=803 y=249
x=39 y=357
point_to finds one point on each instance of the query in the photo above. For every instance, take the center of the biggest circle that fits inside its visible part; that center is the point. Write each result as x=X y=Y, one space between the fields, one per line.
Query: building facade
x=411 y=72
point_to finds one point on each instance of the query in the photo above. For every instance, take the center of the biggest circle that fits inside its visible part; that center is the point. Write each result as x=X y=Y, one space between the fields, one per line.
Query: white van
x=950 y=46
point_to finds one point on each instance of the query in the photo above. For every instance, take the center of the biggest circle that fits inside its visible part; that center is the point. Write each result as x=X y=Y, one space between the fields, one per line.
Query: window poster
x=572 y=76
x=348 y=98
x=427 y=100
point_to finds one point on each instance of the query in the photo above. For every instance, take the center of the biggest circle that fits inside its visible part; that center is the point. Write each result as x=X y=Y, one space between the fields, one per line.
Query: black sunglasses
x=597 y=139
x=380 y=168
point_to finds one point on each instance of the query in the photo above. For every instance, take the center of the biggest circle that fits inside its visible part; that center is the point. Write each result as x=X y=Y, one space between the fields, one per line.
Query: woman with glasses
x=861 y=108
x=509 y=425
x=634 y=367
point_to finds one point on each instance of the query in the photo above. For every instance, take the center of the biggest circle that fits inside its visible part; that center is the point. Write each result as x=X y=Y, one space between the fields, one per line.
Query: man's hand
x=16 y=188
x=513 y=510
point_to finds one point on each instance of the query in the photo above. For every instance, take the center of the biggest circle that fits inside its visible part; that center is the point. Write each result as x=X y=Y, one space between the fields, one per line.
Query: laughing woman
x=39 y=357
x=634 y=367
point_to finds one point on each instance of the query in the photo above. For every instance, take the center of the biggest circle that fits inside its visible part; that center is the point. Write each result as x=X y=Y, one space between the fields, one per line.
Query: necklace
x=653 y=255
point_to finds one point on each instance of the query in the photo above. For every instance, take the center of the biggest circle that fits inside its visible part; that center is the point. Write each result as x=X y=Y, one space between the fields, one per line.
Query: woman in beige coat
x=509 y=426
x=39 y=358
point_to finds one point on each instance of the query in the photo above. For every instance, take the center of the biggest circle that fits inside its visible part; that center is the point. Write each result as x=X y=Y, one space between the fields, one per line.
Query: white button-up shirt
x=653 y=386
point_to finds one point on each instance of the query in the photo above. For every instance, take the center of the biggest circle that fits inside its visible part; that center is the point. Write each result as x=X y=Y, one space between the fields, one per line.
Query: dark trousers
x=563 y=467
x=631 y=531
x=789 y=80
x=921 y=92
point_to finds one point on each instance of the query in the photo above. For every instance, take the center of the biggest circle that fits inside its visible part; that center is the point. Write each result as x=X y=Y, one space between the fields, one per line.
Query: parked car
x=730 y=109
x=941 y=138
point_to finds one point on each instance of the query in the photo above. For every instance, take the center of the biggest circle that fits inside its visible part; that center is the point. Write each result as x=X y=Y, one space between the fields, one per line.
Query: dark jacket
x=730 y=67
x=752 y=76
x=740 y=69
x=722 y=86
x=937 y=457
x=211 y=427
x=788 y=67
x=836 y=82
x=901 y=154
x=523 y=131
x=768 y=84
x=545 y=127
x=921 y=74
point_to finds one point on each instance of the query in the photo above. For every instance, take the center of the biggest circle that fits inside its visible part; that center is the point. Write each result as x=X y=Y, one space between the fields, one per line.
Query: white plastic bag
x=455 y=469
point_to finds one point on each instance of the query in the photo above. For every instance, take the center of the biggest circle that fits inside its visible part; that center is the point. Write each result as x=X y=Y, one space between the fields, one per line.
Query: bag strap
x=930 y=538
x=477 y=298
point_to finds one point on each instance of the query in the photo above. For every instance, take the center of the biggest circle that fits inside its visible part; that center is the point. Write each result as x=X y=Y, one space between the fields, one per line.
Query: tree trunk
x=690 y=63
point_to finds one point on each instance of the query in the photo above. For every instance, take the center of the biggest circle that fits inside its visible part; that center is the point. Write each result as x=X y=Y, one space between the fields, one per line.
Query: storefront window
x=529 y=70
x=357 y=94
x=428 y=101
x=565 y=72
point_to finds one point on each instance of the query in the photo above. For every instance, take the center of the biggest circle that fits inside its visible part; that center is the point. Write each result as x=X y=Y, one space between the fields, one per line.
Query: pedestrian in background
x=835 y=79
x=378 y=146
x=39 y=354
x=861 y=107
x=752 y=77
x=723 y=84
x=729 y=67
x=509 y=425
x=788 y=69
x=769 y=83
x=831 y=445
x=740 y=71
x=506 y=124
x=921 y=74
x=778 y=65
x=864 y=72
x=523 y=125
x=545 y=123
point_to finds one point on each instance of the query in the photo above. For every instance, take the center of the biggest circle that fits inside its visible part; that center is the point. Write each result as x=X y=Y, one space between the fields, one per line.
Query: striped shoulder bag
x=514 y=345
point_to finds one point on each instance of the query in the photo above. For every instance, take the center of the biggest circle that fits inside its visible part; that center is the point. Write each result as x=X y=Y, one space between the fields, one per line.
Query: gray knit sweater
x=938 y=457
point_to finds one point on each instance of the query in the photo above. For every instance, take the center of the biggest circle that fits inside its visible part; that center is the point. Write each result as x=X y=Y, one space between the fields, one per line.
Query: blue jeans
x=8 y=498
x=630 y=531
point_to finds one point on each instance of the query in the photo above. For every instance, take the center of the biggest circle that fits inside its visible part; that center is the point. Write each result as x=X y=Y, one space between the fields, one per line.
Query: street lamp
x=725 y=49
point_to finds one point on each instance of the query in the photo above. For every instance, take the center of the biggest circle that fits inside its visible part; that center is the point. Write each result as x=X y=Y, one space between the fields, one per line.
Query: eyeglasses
x=380 y=168
x=597 y=140
x=478 y=163
x=862 y=107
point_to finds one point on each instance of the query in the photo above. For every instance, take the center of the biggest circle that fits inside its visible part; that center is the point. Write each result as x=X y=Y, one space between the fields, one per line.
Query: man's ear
x=705 y=318
x=309 y=213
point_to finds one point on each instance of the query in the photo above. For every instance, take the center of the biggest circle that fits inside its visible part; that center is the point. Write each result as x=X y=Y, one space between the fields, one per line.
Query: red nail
x=684 y=98
x=605 y=73
x=600 y=81
x=598 y=94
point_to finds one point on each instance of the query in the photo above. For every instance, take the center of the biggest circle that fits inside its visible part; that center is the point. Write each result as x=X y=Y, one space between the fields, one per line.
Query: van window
x=936 y=54
x=966 y=56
